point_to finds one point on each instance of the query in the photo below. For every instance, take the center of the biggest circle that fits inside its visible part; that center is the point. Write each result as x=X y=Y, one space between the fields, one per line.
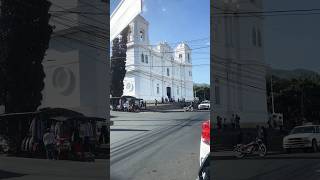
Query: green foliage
x=296 y=99
x=118 y=63
x=202 y=91
x=24 y=38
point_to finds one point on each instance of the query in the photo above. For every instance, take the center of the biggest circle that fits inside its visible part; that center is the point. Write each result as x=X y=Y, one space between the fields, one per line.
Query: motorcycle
x=188 y=108
x=256 y=146
x=204 y=171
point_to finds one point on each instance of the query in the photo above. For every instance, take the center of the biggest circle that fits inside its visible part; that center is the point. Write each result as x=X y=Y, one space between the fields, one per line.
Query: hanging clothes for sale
x=82 y=130
x=32 y=128
x=90 y=129
x=57 y=129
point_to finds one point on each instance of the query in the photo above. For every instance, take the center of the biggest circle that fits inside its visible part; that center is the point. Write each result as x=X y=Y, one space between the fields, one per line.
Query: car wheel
x=314 y=146
x=262 y=150
x=205 y=174
x=238 y=152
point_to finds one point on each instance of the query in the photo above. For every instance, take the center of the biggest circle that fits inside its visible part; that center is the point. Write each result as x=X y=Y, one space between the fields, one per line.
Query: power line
x=240 y=83
x=92 y=19
x=270 y=13
x=77 y=12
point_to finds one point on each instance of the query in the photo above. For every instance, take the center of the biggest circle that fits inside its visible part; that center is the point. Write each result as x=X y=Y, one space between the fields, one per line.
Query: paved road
x=155 y=145
x=296 y=166
x=13 y=168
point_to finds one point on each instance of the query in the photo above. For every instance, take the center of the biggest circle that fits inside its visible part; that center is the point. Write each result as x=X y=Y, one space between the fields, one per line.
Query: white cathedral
x=156 y=72
x=238 y=67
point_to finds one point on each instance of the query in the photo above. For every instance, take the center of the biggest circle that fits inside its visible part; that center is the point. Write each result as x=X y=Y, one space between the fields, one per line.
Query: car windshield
x=299 y=130
x=205 y=102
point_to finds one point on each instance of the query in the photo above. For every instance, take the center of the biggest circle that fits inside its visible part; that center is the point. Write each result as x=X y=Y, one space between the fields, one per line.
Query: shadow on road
x=129 y=130
x=7 y=174
x=274 y=155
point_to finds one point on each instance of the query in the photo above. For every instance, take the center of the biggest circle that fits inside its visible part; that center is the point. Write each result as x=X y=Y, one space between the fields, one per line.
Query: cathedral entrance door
x=169 y=92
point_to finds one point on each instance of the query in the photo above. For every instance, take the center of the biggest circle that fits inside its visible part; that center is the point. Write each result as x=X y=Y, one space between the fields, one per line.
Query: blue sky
x=292 y=41
x=181 y=20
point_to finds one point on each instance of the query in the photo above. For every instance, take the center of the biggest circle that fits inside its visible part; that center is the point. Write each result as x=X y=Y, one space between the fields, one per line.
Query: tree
x=296 y=99
x=202 y=91
x=24 y=38
x=118 y=63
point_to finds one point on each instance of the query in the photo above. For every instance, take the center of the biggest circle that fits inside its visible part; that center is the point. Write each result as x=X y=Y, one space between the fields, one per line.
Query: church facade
x=238 y=68
x=156 y=72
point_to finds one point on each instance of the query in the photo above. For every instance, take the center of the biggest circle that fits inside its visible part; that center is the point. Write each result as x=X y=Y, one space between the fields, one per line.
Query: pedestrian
x=259 y=132
x=126 y=106
x=224 y=123
x=155 y=102
x=219 y=122
x=49 y=143
x=233 y=121
x=238 y=121
x=269 y=123
x=275 y=125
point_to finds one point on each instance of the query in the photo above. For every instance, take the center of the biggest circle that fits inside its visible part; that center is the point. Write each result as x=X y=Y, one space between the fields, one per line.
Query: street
x=295 y=166
x=155 y=145
x=14 y=168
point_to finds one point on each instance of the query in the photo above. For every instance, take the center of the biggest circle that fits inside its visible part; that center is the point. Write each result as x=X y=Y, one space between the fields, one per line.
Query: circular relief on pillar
x=63 y=80
x=129 y=86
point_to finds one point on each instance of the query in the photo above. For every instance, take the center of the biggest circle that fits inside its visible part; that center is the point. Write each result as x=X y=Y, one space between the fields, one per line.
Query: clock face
x=63 y=80
x=129 y=86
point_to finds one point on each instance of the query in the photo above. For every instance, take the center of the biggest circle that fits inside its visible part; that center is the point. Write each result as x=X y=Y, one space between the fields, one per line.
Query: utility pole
x=272 y=98
x=302 y=113
x=204 y=95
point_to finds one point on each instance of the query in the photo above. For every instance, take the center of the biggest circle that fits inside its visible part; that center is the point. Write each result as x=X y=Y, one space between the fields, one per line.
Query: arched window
x=158 y=89
x=142 y=58
x=188 y=57
x=146 y=58
x=254 y=36
x=168 y=72
x=141 y=35
x=129 y=35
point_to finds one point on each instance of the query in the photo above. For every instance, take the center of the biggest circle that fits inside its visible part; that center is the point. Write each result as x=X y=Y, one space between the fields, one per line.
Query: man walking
x=233 y=122
x=48 y=141
x=237 y=121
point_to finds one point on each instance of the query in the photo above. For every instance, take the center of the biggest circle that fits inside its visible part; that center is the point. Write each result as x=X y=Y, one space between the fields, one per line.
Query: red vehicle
x=204 y=171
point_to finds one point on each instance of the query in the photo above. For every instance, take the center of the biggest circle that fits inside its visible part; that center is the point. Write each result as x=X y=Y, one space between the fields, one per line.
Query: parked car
x=204 y=105
x=204 y=173
x=303 y=137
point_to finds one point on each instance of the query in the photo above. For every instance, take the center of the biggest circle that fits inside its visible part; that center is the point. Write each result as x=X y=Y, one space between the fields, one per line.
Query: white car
x=303 y=137
x=204 y=105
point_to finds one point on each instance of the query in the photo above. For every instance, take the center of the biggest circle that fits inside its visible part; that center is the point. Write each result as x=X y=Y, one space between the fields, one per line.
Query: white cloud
x=164 y=9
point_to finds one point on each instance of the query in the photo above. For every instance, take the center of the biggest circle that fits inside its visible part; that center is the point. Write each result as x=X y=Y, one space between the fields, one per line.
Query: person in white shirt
x=49 y=141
